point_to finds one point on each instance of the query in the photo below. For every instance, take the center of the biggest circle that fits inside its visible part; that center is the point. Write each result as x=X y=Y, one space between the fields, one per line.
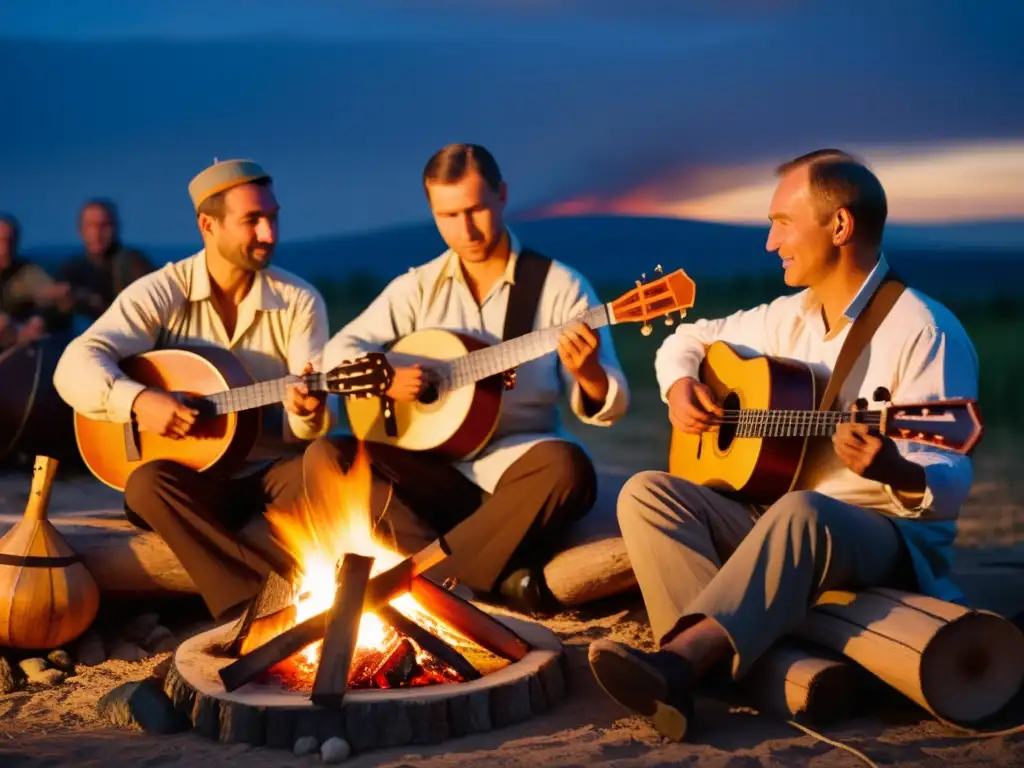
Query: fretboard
x=501 y=357
x=255 y=395
x=754 y=422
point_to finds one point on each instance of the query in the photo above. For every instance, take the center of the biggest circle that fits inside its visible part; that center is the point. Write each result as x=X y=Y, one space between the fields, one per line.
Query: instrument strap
x=524 y=296
x=863 y=328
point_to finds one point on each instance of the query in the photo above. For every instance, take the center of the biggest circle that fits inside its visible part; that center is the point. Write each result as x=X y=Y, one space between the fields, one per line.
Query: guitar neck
x=256 y=395
x=502 y=357
x=756 y=422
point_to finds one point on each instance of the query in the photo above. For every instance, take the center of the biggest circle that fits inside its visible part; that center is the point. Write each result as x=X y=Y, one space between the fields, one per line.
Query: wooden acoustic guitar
x=757 y=449
x=457 y=414
x=214 y=382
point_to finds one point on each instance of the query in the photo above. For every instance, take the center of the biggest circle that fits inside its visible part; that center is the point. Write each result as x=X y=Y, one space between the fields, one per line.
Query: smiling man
x=722 y=580
x=530 y=480
x=227 y=295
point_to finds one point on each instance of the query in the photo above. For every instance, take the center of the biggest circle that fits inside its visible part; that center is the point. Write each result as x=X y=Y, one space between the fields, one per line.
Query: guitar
x=457 y=414
x=757 y=450
x=214 y=382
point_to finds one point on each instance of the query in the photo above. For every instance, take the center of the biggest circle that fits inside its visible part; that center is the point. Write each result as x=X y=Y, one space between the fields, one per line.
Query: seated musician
x=721 y=580
x=32 y=303
x=226 y=295
x=530 y=481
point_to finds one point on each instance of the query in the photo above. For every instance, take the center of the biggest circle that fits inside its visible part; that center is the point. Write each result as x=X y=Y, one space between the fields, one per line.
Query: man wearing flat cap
x=229 y=296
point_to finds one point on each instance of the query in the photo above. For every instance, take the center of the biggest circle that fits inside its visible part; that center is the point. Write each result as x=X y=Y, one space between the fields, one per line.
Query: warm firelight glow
x=335 y=519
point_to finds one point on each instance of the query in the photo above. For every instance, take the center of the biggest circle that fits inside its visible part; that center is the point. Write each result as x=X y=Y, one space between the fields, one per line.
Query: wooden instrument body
x=222 y=442
x=456 y=425
x=752 y=469
x=47 y=595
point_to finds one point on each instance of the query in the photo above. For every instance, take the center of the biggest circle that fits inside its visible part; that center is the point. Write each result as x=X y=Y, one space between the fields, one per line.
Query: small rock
x=307 y=745
x=138 y=629
x=62 y=661
x=125 y=651
x=9 y=682
x=141 y=704
x=158 y=633
x=32 y=666
x=89 y=650
x=48 y=677
x=335 y=750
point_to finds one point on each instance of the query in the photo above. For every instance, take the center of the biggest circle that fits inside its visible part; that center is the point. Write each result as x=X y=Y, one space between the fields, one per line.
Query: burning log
x=435 y=646
x=342 y=631
x=469 y=620
x=275 y=595
x=381 y=590
x=398 y=667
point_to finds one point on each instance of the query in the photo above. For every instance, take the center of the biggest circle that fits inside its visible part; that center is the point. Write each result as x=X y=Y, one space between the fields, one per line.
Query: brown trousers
x=215 y=525
x=417 y=496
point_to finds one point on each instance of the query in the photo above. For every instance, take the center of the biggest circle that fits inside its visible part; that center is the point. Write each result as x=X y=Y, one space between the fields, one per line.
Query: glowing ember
x=335 y=519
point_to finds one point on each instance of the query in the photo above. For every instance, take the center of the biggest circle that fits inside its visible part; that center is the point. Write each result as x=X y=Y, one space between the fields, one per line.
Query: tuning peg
x=861 y=403
x=682 y=314
x=646 y=329
x=658 y=269
x=669 y=320
x=881 y=395
x=639 y=284
x=643 y=275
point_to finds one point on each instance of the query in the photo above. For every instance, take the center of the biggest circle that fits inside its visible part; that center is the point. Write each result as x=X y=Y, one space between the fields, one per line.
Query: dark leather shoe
x=657 y=685
x=524 y=591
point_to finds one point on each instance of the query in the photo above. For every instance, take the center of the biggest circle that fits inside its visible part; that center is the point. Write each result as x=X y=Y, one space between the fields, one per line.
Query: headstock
x=673 y=292
x=955 y=425
x=363 y=377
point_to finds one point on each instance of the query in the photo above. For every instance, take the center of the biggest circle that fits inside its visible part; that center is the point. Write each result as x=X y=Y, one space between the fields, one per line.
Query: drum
x=34 y=420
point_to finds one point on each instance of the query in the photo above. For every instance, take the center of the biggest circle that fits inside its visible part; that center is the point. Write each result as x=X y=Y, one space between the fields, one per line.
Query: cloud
x=954 y=183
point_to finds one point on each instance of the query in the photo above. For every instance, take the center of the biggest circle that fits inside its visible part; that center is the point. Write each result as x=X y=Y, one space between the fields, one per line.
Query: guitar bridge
x=508 y=379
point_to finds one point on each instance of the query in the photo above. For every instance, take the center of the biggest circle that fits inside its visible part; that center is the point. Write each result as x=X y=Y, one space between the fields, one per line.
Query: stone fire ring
x=266 y=715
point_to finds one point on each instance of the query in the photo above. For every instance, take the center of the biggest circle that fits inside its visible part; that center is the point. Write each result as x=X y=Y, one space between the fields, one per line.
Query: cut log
x=790 y=682
x=593 y=563
x=435 y=646
x=125 y=561
x=342 y=631
x=469 y=620
x=959 y=664
x=275 y=595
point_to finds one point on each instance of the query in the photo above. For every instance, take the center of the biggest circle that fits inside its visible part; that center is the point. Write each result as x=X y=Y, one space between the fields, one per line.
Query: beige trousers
x=698 y=554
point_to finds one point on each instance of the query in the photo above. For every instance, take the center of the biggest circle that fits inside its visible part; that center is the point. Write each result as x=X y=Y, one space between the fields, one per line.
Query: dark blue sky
x=689 y=103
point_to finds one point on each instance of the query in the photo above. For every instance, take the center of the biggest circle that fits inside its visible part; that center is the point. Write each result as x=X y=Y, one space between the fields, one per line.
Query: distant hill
x=610 y=249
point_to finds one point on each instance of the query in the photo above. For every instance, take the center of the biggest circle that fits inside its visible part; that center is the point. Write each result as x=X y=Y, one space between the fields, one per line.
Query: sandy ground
x=59 y=726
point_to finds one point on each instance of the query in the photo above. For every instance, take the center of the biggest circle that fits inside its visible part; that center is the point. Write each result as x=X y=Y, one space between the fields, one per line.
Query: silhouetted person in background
x=106 y=266
x=32 y=303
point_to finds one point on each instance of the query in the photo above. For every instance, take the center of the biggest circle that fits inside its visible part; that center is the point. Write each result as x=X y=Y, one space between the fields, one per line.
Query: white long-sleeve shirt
x=436 y=295
x=920 y=353
x=281 y=325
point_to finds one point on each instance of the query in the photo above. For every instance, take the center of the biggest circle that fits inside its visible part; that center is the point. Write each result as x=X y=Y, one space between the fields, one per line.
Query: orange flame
x=333 y=519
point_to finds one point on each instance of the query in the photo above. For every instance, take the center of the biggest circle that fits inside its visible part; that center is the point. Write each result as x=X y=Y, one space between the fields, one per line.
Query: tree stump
x=368 y=719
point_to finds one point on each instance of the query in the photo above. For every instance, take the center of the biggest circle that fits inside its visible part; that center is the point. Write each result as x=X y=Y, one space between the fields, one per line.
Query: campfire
x=362 y=601
x=364 y=647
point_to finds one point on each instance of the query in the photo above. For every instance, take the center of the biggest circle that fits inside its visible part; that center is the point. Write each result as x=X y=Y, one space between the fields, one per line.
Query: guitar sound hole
x=429 y=395
x=727 y=432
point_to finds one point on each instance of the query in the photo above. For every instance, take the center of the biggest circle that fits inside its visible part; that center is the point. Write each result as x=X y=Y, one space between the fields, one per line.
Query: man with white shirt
x=723 y=581
x=530 y=481
x=229 y=296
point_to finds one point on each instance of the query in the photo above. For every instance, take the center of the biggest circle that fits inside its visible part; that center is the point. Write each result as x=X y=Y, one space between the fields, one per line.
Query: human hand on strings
x=163 y=414
x=300 y=401
x=407 y=383
x=691 y=406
